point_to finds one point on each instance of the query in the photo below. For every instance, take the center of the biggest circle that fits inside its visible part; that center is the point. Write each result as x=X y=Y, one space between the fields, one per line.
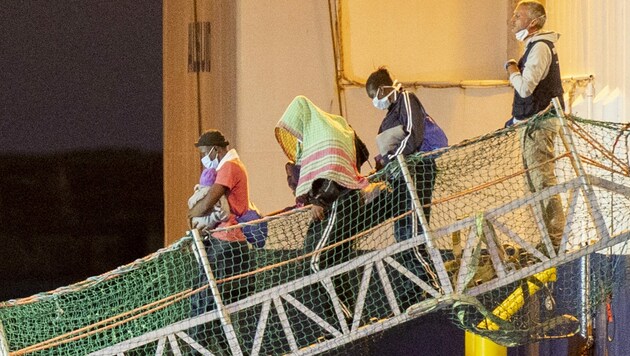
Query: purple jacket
x=407 y=128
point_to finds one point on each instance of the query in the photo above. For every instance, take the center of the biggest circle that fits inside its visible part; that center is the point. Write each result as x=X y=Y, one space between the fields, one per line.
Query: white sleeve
x=536 y=69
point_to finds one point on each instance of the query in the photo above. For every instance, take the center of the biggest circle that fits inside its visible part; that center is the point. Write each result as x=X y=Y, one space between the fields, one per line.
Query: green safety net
x=475 y=230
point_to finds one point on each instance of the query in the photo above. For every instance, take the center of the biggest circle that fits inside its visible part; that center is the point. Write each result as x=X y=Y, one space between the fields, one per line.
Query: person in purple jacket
x=406 y=129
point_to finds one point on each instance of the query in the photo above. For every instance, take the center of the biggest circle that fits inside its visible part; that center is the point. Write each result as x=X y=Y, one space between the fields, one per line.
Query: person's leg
x=347 y=226
x=423 y=174
x=416 y=259
x=402 y=204
x=226 y=259
x=237 y=257
x=314 y=296
x=338 y=228
x=538 y=153
x=425 y=180
x=201 y=301
x=233 y=260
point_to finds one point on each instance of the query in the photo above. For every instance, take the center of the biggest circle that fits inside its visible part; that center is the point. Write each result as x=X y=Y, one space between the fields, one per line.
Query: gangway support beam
x=212 y=283
x=4 y=346
x=436 y=258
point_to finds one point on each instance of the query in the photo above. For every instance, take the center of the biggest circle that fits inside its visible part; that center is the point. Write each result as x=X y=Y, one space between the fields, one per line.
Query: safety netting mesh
x=542 y=215
x=511 y=234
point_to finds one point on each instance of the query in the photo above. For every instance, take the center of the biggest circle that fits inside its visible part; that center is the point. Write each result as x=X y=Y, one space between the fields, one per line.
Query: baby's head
x=208 y=176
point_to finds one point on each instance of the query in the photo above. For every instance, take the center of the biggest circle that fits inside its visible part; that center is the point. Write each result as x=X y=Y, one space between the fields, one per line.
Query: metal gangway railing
x=450 y=285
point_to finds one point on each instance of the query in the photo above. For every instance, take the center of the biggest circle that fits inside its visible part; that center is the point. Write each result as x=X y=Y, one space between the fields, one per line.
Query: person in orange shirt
x=227 y=250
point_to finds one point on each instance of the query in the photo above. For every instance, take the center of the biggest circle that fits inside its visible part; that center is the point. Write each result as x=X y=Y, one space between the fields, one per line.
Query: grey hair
x=536 y=11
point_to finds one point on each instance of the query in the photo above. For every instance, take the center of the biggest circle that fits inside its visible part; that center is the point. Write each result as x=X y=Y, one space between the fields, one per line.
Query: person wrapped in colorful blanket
x=323 y=146
x=322 y=150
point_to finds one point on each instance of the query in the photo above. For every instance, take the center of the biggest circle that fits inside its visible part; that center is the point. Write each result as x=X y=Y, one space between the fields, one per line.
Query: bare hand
x=317 y=212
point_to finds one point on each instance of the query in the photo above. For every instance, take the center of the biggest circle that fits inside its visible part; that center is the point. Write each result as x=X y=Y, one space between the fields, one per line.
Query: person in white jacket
x=536 y=80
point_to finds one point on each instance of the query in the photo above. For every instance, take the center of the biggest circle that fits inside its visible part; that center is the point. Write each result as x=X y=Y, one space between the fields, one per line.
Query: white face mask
x=383 y=103
x=210 y=163
x=521 y=35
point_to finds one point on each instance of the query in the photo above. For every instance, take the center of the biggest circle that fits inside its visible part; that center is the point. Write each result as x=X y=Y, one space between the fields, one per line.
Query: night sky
x=80 y=74
x=80 y=98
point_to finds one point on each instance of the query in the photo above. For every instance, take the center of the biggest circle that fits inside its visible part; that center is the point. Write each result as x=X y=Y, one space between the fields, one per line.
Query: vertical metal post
x=436 y=258
x=591 y=201
x=586 y=322
x=228 y=328
x=4 y=345
x=333 y=13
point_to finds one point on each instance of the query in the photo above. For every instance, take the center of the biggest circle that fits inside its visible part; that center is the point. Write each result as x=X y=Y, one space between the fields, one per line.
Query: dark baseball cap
x=212 y=138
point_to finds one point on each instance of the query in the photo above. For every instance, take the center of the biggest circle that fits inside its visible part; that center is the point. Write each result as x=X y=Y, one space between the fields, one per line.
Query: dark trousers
x=226 y=259
x=423 y=174
x=339 y=224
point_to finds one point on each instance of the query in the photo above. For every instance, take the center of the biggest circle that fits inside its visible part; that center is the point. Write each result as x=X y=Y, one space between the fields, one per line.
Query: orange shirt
x=233 y=176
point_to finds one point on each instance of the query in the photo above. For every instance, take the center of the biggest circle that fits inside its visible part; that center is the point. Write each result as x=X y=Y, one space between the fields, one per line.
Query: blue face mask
x=210 y=163
x=384 y=102
x=381 y=104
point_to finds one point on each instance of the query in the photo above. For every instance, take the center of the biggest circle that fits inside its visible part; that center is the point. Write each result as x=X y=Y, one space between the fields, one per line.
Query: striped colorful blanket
x=322 y=143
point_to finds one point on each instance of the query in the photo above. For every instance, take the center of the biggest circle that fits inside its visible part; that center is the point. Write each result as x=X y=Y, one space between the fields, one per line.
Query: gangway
x=486 y=254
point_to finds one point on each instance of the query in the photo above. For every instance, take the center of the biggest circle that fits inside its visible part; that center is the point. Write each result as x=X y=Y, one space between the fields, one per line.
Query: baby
x=221 y=210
